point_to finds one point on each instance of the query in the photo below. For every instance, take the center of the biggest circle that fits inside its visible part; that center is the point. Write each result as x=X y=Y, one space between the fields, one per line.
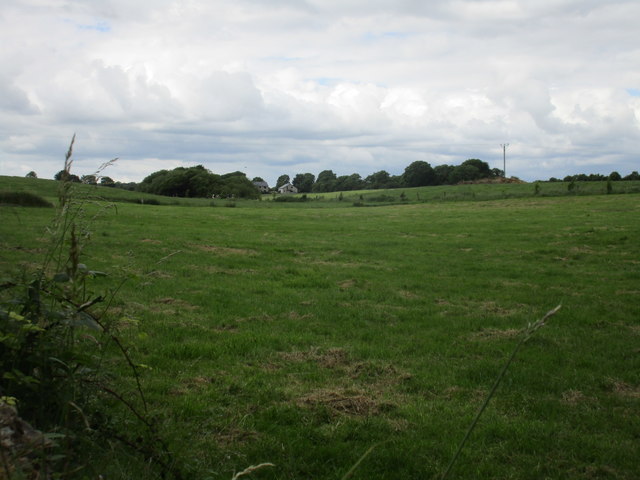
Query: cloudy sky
x=272 y=87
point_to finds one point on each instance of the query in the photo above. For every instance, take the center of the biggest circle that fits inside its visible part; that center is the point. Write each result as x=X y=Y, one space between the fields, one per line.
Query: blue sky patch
x=99 y=26
x=634 y=92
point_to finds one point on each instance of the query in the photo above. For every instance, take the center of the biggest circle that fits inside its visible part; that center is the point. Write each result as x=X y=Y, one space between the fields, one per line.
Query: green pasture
x=276 y=332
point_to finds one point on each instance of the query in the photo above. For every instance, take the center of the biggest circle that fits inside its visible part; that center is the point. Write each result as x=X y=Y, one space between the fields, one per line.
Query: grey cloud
x=14 y=99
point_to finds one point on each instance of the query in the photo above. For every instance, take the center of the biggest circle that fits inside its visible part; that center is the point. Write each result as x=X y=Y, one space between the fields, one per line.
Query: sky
x=294 y=86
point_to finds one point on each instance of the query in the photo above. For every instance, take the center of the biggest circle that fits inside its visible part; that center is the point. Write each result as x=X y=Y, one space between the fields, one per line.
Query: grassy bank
x=303 y=336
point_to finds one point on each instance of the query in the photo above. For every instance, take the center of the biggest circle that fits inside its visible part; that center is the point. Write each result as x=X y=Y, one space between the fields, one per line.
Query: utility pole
x=504 y=159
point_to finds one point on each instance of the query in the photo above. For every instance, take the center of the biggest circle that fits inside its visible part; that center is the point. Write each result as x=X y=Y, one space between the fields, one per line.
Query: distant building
x=262 y=186
x=287 y=188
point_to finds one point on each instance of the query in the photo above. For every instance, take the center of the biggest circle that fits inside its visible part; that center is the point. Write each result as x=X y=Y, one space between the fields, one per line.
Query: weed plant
x=57 y=350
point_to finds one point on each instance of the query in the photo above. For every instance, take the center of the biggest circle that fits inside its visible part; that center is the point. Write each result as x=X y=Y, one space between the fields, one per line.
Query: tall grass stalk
x=526 y=335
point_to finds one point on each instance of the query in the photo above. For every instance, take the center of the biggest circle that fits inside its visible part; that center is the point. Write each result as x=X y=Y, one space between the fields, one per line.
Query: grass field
x=303 y=336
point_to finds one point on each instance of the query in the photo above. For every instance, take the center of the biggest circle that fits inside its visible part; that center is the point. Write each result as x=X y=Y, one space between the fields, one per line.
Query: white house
x=287 y=188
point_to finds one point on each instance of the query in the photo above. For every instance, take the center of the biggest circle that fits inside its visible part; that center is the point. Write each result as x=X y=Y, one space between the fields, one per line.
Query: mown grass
x=303 y=336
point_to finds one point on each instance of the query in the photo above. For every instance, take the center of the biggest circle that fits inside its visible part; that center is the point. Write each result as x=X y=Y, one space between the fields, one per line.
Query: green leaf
x=15 y=316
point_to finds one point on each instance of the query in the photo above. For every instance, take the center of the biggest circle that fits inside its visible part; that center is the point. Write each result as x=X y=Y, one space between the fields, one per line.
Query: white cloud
x=291 y=85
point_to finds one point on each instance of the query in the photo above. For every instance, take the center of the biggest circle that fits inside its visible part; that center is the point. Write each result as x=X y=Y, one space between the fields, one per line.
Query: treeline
x=596 y=177
x=180 y=182
x=418 y=174
x=200 y=182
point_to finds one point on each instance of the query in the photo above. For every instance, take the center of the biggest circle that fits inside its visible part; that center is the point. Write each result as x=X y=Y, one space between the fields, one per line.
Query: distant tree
x=483 y=167
x=418 y=174
x=198 y=182
x=554 y=179
x=257 y=179
x=89 y=179
x=107 y=182
x=442 y=173
x=236 y=184
x=349 y=182
x=395 y=181
x=325 y=182
x=237 y=173
x=464 y=173
x=596 y=177
x=304 y=182
x=632 y=176
x=282 y=180
x=31 y=174
x=65 y=176
x=378 y=180
x=496 y=172
x=615 y=177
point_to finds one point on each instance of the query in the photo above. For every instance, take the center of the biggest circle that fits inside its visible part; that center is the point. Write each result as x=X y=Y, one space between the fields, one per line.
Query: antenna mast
x=504 y=159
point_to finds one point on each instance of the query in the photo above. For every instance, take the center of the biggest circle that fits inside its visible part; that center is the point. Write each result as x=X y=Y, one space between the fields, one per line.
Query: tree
x=107 y=182
x=31 y=174
x=304 y=182
x=615 y=177
x=349 y=182
x=282 y=180
x=632 y=176
x=378 y=180
x=463 y=173
x=418 y=174
x=442 y=173
x=483 y=167
x=325 y=182
x=257 y=179
x=89 y=179
x=65 y=176
x=198 y=182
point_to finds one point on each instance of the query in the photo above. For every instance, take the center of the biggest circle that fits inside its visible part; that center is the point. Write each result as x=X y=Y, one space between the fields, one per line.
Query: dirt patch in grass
x=151 y=240
x=456 y=392
x=344 y=402
x=338 y=358
x=625 y=390
x=408 y=295
x=189 y=385
x=225 y=250
x=331 y=358
x=158 y=305
x=293 y=315
x=228 y=271
x=234 y=436
x=495 y=333
x=346 y=284
x=573 y=397
x=494 y=309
